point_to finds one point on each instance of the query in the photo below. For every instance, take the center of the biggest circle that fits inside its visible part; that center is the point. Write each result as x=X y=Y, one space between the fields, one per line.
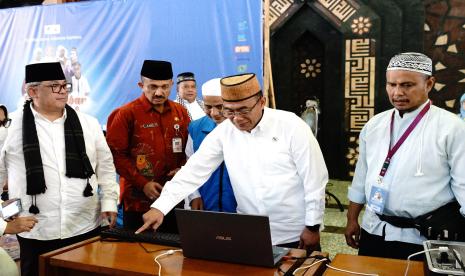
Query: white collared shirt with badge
x=64 y=211
x=426 y=172
x=276 y=170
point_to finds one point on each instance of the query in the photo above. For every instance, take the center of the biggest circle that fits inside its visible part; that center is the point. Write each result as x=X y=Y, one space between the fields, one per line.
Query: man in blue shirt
x=216 y=194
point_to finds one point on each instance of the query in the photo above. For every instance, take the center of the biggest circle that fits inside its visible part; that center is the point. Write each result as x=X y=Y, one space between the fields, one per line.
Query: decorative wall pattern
x=445 y=44
x=310 y=68
x=359 y=91
x=352 y=154
x=361 y=25
x=396 y=26
x=278 y=8
x=341 y=9
x=359 y=82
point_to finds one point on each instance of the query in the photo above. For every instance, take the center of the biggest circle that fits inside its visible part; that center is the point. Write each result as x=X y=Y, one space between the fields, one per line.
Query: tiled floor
x=332 y=238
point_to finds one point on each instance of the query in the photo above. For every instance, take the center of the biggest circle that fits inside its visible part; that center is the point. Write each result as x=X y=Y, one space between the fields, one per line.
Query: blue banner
x=102 y=45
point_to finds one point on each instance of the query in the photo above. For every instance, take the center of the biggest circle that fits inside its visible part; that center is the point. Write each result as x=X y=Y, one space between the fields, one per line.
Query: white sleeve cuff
x=356 y=196
x=315 y=212
x=109 y=205
x=193 y=196
x=163 y=204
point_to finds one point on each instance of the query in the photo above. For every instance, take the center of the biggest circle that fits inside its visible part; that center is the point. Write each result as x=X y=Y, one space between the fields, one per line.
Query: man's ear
x=32 y=92
x=140 y=84
x=430 y=83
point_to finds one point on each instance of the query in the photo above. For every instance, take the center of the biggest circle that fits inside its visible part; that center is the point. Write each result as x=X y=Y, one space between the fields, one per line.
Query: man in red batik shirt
x=147 y=138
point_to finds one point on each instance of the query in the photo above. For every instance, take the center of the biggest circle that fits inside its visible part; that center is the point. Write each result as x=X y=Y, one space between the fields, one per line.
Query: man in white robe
x=425 y=173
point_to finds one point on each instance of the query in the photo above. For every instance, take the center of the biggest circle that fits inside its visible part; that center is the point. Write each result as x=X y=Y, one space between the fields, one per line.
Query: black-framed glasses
x=56 y=88
x=227 y=112
x=6 y=123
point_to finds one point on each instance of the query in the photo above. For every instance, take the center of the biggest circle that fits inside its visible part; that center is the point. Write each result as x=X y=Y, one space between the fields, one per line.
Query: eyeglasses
x=241 y=112
x=56 y=88
x=6 y=123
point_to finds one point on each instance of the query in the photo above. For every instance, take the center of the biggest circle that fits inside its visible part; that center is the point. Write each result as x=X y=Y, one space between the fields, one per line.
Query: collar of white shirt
x=37 y=115
x=264 y=121
x=412 y=114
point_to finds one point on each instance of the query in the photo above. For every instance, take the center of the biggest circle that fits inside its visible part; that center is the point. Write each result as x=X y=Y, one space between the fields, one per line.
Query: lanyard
x=402 y=139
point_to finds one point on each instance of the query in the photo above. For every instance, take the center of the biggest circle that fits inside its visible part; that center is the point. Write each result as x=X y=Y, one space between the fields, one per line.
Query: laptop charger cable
x=167 y=253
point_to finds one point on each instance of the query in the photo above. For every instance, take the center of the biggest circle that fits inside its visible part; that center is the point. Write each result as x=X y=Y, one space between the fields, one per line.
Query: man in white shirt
x=411 y=162
x=187 y=95
x=59 y=165
x=275 y=165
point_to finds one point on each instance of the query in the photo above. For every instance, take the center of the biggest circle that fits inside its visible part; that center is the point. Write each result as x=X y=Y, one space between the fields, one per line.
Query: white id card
x=377 y=200
x=177 y=144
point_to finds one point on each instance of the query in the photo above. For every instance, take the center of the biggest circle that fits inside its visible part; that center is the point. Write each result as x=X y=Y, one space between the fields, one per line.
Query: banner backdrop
x=102 y=45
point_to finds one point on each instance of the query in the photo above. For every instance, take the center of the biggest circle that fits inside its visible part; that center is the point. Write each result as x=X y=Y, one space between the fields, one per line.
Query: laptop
x=228 y=237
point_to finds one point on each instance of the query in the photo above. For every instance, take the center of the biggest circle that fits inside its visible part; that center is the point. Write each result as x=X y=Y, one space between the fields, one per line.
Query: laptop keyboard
x=147 y=236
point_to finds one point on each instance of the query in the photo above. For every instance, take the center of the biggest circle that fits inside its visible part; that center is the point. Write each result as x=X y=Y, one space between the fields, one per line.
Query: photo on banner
x=101 y=45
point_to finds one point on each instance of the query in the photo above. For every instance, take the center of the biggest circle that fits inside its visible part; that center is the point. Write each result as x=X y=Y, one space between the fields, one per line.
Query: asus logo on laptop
x=223 y=238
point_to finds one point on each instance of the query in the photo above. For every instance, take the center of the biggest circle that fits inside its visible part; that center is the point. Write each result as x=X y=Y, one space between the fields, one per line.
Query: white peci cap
x=212 y=88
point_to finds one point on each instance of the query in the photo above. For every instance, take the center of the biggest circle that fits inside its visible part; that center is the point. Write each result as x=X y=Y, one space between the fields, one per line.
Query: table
x=96 y=257
x=380 y=266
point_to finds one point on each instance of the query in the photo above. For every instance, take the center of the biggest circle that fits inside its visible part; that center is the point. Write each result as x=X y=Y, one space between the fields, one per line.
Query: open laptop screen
x=228 y=237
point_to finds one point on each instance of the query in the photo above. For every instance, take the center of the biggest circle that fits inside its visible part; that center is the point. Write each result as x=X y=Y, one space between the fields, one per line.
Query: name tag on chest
x=151 y=125
x=378 y=197
x=177 y=144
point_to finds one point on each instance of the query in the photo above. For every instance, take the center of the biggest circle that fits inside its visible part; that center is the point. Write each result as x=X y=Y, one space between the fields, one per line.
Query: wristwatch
x=313 y=228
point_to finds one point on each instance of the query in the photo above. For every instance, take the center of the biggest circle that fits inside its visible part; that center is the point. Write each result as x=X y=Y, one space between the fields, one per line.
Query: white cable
x=308 y=266
x=316 y=120
x=418 y=253
x=420 y=152
x=169 y=252
x=351 y=272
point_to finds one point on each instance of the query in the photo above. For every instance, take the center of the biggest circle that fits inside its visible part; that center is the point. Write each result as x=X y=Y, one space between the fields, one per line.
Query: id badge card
x=177 y=144
x=378 y=197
